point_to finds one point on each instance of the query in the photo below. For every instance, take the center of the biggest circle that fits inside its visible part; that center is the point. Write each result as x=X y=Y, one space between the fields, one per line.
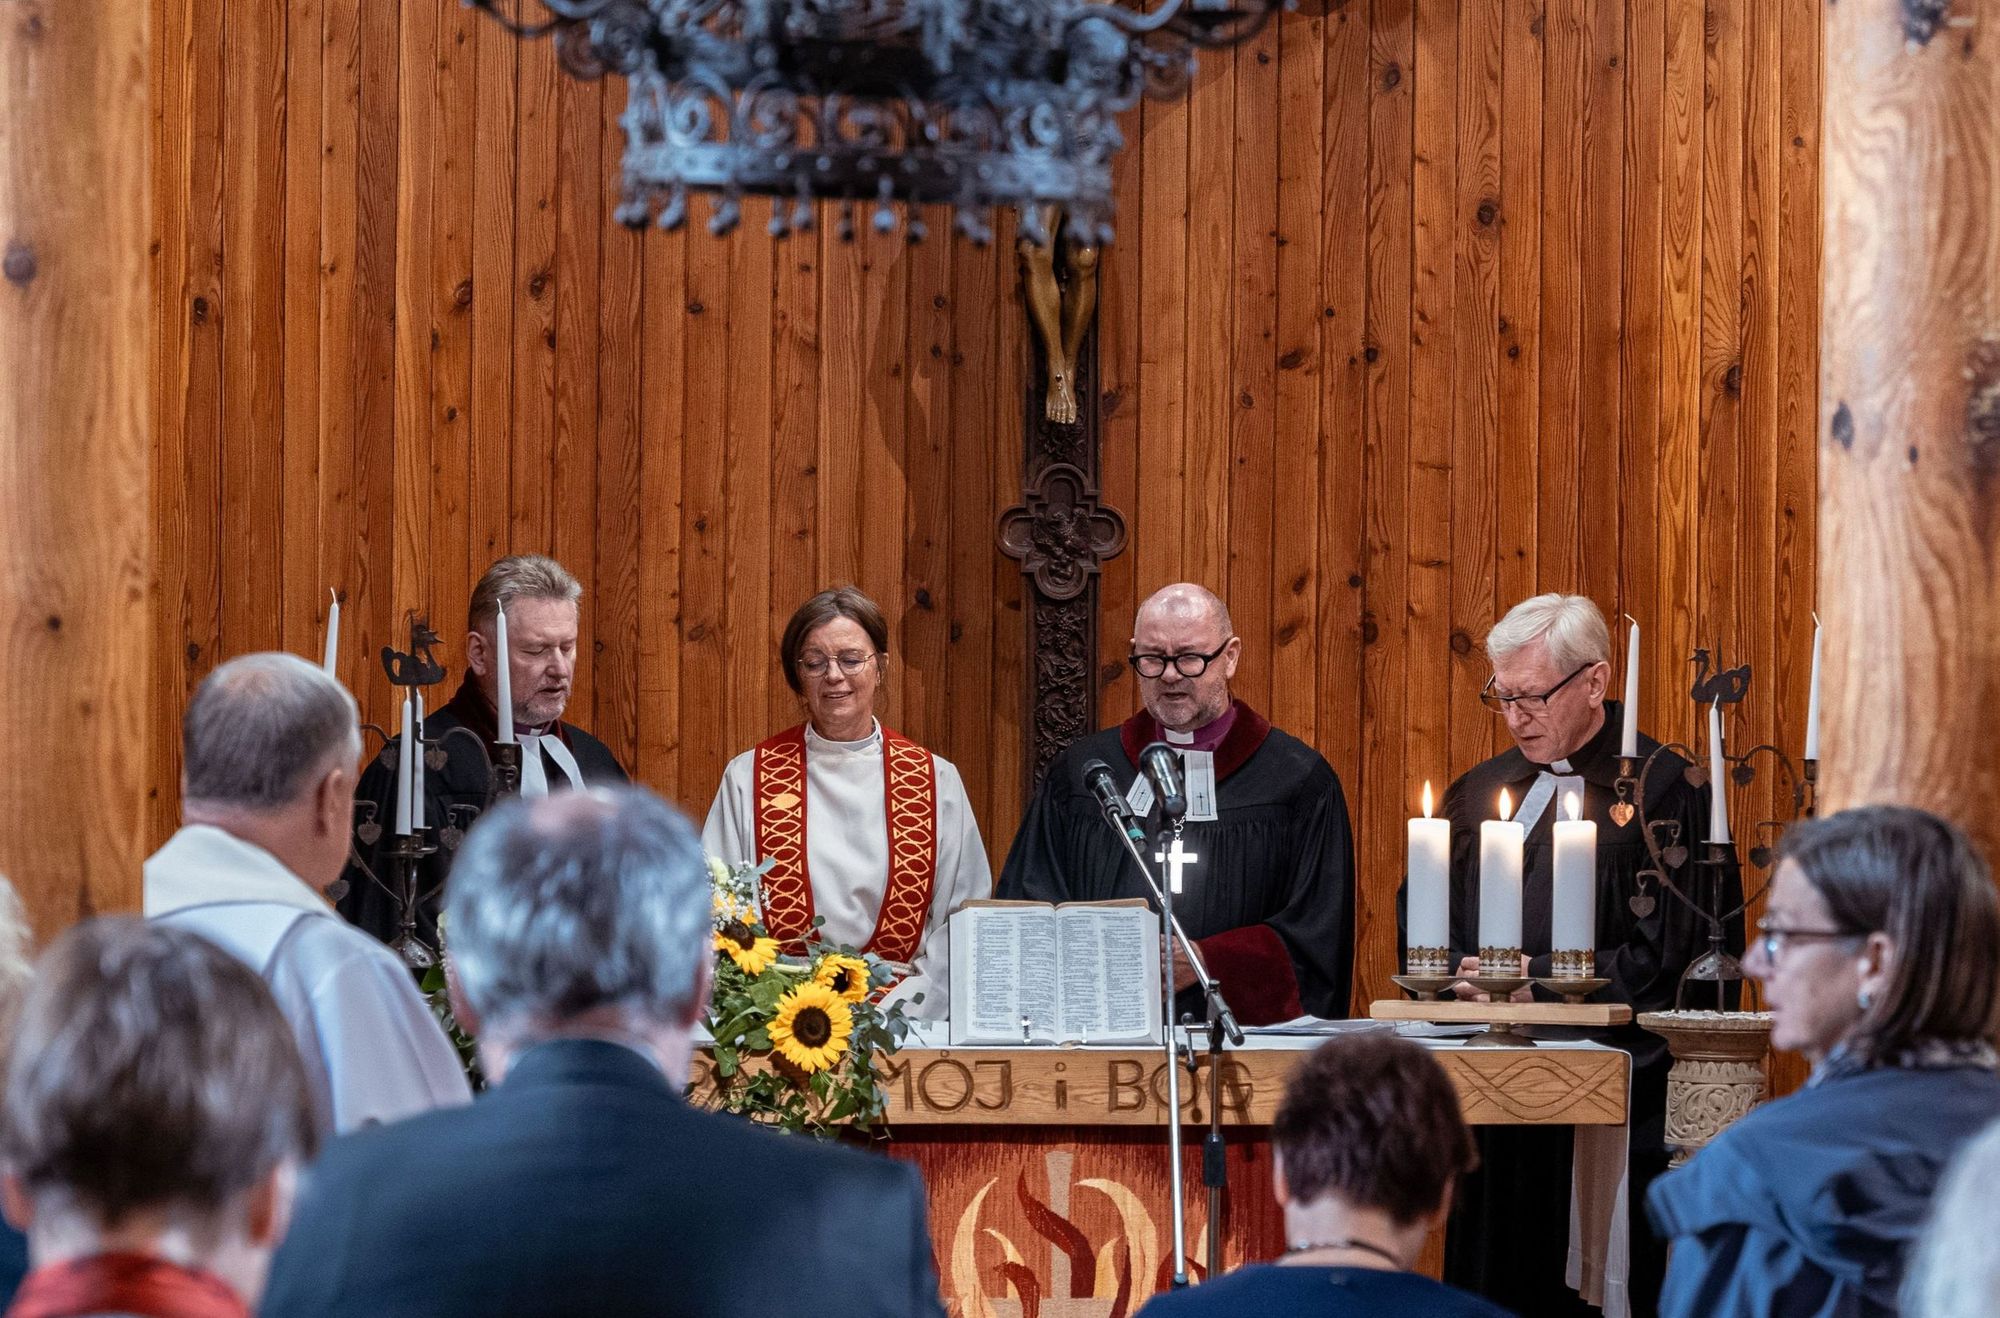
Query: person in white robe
x=866 y=829
x=270 y=749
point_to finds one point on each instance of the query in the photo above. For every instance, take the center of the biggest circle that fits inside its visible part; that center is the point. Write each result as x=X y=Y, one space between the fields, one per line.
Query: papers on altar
x=1031 y=972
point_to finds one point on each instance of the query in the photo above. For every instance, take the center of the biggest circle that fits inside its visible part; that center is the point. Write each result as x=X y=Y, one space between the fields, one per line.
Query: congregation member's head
x=1881 y=937
x=269 y=750
x=1551 y=658
x=1955 y=1272
x=835 y=651
x=583 y=914
x=155 y=1118
x=1368 y=1145
x=541 y=599
x=1185 y=651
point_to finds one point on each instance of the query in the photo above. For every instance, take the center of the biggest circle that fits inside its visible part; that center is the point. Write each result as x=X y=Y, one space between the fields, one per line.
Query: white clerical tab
x=1139 y=797
x=1200 y=773
x=534 y=774
x=1174 y=738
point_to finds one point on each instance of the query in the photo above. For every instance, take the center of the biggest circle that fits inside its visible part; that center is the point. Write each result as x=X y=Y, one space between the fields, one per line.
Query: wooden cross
x=1178 y=859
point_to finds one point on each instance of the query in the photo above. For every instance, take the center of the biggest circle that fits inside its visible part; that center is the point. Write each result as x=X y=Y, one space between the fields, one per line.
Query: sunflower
x=811 y=1028
x=845 y=975
x=751 y=951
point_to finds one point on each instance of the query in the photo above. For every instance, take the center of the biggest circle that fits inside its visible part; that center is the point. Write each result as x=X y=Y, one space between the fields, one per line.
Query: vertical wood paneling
x=1415 y=309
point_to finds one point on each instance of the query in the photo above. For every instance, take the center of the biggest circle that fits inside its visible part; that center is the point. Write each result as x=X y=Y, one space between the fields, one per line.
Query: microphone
x=1097 y=777
x=1163 y=768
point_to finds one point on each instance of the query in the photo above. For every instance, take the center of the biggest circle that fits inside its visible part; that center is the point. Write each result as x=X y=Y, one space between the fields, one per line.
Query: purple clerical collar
x=1206 y=737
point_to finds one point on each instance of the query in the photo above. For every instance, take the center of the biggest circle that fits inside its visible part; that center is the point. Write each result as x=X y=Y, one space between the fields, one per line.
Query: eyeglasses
x=1534 y=704
x=1772 y=939
x=1187 y=665
x=850 y=664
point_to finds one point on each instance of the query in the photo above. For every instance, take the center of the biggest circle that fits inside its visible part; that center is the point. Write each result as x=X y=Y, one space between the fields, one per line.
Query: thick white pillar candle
x=332 y=635
x=417 y=764
x=1429 y=923
x=1718 y=778
x=403 y=771
x=1575 y=917
x=1628 y=744
x=1500 y=844
x=504 y=701
x=1812 y=699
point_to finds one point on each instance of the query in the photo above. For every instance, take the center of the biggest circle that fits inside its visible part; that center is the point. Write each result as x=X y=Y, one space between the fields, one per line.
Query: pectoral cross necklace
x=1177 y=858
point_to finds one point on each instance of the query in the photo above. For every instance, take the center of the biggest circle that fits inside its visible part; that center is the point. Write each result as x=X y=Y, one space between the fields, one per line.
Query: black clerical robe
x=454 y=796
x=1271 y=899
x=1509 y=1231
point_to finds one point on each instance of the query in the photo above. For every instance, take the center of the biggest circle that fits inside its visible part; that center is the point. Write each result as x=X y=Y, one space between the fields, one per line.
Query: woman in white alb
x=864 y=827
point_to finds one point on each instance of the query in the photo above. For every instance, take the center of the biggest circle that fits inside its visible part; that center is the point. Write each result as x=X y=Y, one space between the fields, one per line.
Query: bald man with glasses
x=1269 y=891
x=1551 y=657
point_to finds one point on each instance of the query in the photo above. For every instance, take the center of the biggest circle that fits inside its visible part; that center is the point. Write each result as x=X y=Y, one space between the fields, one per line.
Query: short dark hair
x=1907 y=873
x=823 y=608
x=262 y=728
x=151 y=1070
x=1373 y=1119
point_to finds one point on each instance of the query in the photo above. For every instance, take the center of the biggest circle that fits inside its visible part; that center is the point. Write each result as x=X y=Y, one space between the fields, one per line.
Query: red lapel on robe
x=1246 y=736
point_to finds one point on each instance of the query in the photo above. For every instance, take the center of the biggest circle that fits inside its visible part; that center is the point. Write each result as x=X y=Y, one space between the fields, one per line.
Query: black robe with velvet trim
x=1271 y=899
x=453 y=797
x=1509 y=1234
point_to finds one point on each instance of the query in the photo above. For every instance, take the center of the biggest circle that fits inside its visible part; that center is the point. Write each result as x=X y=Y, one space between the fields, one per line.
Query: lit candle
x=403 y=772
x=1812 y=699
x=1500 y=844
x=332 y=635
x=504 y=701
x=1628 y=746
x=1575 y=919
x=1718 y=778
x=417 y=776
x=1429 y=922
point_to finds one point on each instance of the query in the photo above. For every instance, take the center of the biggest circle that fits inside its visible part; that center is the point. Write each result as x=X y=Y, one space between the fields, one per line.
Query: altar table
x=1047 y=1179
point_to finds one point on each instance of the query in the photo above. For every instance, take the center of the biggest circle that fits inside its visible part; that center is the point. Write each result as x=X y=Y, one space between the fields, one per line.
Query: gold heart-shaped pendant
x=1621 y=813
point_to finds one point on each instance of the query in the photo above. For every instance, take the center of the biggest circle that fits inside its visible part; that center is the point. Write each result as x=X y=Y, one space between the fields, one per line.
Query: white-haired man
x=269 y=744
x=584 y=1183
x=1551 y=658
x=541 y=600
x=1270 y=898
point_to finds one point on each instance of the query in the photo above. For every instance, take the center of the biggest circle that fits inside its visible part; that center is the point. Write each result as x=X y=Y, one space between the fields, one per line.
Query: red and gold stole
x=910 y=786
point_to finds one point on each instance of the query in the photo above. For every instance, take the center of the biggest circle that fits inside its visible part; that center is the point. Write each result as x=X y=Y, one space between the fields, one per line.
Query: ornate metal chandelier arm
x=1632 y=791
x=525 y=31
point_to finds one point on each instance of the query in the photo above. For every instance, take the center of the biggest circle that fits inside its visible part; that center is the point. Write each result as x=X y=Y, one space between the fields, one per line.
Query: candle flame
x=1506 y=806
x=1427 y=798
x=1575 y=807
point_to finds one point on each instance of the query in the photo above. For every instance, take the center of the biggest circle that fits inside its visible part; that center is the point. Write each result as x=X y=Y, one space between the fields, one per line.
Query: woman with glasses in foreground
x=1880 y=955
x=862 y=826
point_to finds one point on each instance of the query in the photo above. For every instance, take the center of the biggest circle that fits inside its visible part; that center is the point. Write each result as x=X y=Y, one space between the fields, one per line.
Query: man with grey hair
x=1270 y=897
x=1551 y=658
x=541 y=601
x=269 y=745
x=584 y=1182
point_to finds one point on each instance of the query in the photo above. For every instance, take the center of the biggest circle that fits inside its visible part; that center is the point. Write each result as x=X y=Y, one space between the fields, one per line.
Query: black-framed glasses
x=1772 y=939
x=851 y=663
x=1527 y=704
x=1187 y=665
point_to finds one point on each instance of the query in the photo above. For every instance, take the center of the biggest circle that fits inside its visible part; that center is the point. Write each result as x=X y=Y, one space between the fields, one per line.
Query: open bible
x=1082 y=972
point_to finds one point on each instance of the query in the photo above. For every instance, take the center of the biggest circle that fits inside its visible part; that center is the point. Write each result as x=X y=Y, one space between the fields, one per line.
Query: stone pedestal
x=1718 y=1072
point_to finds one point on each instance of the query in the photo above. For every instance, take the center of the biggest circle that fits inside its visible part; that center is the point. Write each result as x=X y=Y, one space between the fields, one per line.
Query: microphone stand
x=1221 y=1024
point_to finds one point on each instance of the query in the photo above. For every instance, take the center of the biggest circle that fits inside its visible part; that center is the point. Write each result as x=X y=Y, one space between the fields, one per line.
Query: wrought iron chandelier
x=971 y=104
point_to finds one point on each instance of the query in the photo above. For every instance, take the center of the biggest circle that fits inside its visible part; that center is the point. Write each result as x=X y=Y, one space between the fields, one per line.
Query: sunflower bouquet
x=795 y=1037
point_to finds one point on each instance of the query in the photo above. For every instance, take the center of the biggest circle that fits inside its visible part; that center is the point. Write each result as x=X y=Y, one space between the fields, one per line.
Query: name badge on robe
x=1200 y=772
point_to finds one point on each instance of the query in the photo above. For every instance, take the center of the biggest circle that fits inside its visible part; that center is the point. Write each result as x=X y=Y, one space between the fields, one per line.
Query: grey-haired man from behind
x=583 y=1182
x=269 y=748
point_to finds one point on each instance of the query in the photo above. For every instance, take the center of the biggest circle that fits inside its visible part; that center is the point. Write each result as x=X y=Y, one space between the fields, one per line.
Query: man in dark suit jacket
x=583 y=1184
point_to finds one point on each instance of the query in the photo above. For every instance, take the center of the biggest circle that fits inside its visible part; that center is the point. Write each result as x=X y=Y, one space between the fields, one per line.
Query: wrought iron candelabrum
x=405 y=853
x=1669 y=852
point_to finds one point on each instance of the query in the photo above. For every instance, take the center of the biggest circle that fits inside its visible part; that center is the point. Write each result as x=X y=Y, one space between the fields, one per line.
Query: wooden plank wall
x=1415 y=310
